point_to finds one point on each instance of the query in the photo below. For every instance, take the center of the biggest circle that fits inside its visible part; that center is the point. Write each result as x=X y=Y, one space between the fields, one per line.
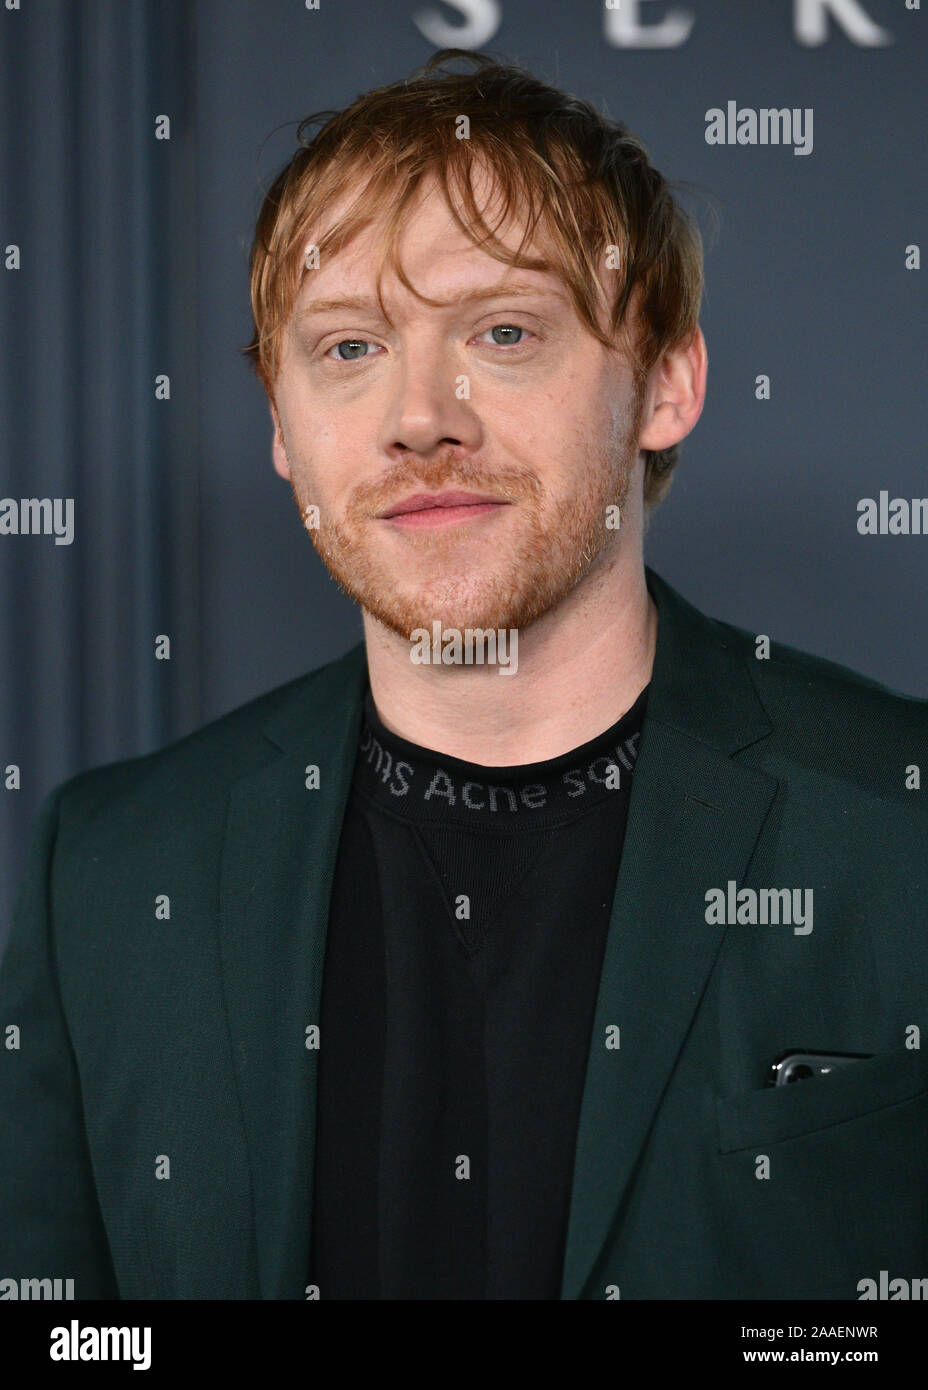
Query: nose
x=429 y=407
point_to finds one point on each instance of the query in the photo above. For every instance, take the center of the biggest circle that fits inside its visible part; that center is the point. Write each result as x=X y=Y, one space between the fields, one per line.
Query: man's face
x=501 y=393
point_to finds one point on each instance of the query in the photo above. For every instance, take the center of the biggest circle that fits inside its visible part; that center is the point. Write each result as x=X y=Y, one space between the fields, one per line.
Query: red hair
x=583 y=185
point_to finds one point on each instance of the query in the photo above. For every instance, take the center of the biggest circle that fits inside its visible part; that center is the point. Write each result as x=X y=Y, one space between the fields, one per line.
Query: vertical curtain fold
x=104 y=215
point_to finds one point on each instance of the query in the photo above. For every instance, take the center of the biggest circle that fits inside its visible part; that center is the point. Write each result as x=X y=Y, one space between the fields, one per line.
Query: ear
x=675 y=394
x=278 y=449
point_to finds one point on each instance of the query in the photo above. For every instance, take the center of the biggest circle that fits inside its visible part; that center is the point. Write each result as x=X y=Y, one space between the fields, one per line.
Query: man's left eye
x=354 y=349
x=505 y=334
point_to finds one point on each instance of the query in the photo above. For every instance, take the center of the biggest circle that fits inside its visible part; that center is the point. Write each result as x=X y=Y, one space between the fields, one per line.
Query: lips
x=431 y=501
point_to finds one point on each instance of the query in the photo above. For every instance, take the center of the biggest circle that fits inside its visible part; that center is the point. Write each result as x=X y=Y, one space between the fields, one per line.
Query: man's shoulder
x=816 y=699
x=200 y=767
x=804 y=697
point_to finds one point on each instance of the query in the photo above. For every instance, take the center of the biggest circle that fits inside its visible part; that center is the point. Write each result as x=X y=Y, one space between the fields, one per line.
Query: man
x=457 y=968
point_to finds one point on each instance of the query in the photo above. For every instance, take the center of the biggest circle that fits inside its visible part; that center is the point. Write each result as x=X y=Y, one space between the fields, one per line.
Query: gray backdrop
x=132 y=263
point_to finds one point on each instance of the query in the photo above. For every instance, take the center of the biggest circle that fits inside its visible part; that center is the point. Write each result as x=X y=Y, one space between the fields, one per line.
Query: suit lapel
x=694 y=819
x=278 y=863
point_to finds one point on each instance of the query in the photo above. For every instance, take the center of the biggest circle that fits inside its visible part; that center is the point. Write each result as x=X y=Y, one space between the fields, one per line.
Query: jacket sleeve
x=50 y=1221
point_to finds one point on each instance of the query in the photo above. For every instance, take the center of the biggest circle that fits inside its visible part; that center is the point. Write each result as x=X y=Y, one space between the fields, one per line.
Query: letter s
x=482 y=19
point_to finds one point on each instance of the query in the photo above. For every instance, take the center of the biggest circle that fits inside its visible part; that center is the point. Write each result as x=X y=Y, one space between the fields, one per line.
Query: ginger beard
x=473 y=574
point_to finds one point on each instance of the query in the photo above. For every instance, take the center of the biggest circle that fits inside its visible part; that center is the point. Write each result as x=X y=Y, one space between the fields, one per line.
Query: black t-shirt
x=467 y=928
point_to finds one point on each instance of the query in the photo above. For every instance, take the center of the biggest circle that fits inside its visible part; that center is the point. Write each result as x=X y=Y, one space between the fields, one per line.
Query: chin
x=451 y=615
x=404 y=612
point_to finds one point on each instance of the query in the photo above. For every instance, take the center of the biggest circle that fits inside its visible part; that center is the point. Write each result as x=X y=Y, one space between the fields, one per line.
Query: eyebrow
x=325 y=306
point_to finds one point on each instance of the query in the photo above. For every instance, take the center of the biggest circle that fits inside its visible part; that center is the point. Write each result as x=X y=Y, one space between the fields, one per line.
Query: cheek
x=538 y=425
x=586 y=404
x=312 y=449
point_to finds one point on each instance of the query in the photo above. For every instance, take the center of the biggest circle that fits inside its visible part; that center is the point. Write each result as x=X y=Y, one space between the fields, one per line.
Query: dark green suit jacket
x=145 y=1039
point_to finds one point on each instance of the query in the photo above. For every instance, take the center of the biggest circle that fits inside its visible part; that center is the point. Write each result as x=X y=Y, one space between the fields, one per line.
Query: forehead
x=437 y=255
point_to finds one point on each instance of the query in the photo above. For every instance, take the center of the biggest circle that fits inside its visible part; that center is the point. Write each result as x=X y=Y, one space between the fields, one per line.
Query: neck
x=580 y=669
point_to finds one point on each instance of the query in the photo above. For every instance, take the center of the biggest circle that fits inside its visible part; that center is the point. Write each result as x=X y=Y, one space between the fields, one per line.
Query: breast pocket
x=776 y=1113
